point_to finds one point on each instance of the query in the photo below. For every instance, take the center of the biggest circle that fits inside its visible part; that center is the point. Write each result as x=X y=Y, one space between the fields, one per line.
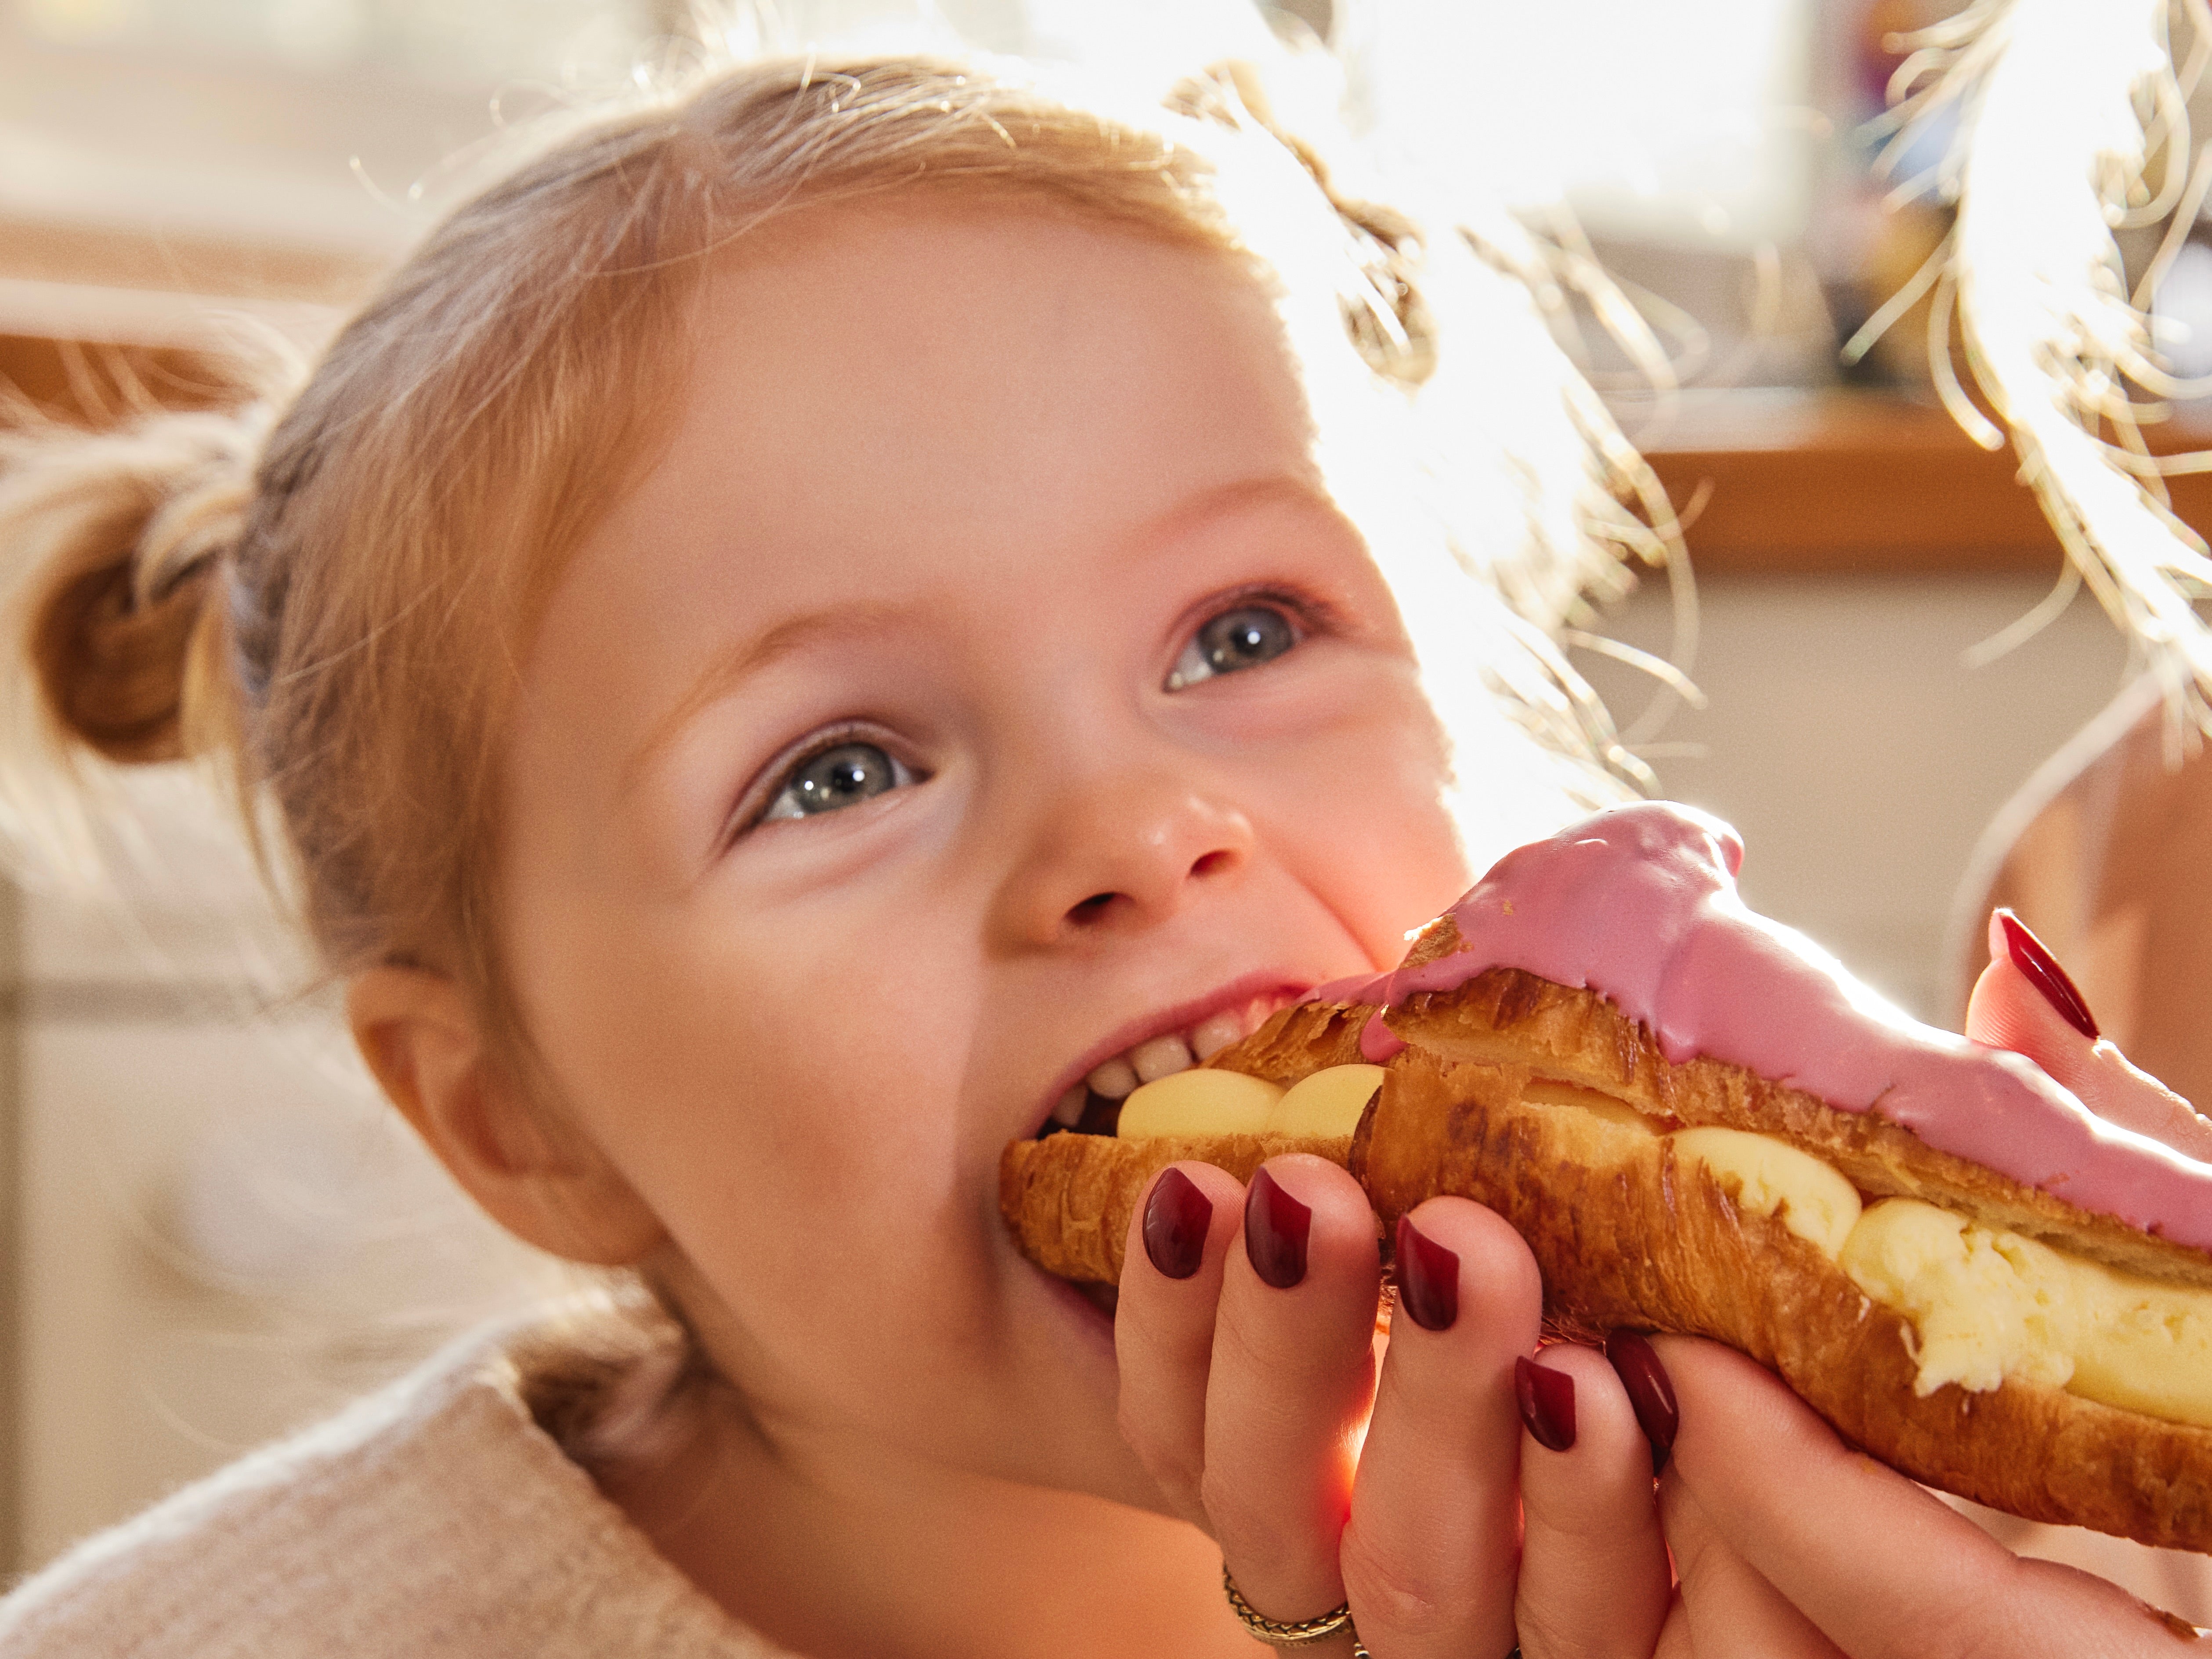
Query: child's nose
x=1125 y=854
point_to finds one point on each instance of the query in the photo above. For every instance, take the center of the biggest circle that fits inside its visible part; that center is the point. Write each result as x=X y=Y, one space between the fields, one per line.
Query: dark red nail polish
x=1275 y=1227
x=2032 y=958
x=1428 y=1279
x=1547 y=1403
x=1650 y=1392
x=1176 y=1218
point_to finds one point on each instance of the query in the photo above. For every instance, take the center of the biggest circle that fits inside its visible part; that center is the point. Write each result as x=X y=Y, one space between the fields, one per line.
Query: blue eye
x=844 y=775
x=1243 y=638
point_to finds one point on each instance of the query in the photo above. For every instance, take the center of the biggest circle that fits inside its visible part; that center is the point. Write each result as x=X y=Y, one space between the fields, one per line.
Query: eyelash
x=1309 y=614
x=753 y=809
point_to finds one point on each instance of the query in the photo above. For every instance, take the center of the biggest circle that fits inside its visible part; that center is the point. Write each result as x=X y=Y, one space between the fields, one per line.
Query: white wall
x=1859 y=756
x=225 y=1233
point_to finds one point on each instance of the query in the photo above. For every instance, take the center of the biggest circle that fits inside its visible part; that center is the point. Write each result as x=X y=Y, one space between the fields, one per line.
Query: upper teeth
x=1216 y=1032
x=1116 y=1079
x=1164 y=1055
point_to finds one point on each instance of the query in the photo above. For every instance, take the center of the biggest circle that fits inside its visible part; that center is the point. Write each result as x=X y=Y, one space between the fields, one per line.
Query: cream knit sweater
x=437 y=1519
x=432 y=1519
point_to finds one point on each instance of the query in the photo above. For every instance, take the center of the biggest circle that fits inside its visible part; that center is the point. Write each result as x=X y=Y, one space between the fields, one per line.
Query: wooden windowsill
x=106 y=259
x=1859 y=483
x=85 y=310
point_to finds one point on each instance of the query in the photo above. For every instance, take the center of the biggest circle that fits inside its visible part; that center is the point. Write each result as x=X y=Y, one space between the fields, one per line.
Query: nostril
x=1211 y=862
x=1091 y=910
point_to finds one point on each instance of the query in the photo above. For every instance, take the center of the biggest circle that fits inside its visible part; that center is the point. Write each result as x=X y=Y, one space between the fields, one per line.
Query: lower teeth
x=1098 y=1116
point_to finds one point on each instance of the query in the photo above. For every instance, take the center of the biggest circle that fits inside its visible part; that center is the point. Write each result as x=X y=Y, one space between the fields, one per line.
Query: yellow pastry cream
x=1984 y=1304
x=1772 y=1177
x=1990 y=1305
x=1325 y=1106
x=1198 y=1103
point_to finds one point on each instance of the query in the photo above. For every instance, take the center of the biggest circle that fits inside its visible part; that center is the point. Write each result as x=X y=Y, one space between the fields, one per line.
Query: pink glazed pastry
x=1700 y=1122
x=1639 y=904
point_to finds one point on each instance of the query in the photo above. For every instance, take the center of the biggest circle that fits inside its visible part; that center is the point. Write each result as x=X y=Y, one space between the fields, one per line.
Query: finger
x=1429 y=1554
x=1292 y=1380
x=1726 y=1608
x=2025 y=1002
x=1595 y=1581
x=1880 y=1566
x=1674 y=1639
x=1179 y=1237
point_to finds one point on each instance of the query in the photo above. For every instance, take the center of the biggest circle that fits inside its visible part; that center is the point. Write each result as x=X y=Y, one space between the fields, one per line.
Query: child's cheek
x=835 y=1083
x=1369 y=831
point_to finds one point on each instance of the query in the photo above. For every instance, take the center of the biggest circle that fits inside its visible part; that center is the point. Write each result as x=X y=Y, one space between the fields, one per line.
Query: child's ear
x=541 y=1179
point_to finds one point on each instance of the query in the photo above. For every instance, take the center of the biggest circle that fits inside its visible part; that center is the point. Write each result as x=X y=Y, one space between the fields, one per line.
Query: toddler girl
x=823 y=612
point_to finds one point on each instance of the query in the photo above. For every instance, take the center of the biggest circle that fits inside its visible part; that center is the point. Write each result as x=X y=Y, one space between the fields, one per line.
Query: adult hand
x=2026 y=1002
x=1249 y=1368
x=1789 y=1545
x=1792 y=1546
x=1249 y=1374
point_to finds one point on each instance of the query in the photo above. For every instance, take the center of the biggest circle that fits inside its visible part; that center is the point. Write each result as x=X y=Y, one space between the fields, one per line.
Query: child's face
x=979 y=683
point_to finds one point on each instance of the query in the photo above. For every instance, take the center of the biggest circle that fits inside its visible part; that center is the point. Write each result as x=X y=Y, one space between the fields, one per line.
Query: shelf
x=1857 y=482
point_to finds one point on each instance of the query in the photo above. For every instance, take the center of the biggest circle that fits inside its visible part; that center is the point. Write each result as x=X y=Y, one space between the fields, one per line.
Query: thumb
x=2026 y=1002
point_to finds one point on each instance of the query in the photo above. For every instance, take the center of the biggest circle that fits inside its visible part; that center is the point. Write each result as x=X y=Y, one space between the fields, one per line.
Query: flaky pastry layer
x=1628 y=1234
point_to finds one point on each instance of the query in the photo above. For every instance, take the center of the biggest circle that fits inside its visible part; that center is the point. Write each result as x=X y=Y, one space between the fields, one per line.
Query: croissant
x=1701 y=1124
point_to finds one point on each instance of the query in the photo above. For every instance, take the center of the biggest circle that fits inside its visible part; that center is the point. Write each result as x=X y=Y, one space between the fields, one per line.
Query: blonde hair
x=327 y=597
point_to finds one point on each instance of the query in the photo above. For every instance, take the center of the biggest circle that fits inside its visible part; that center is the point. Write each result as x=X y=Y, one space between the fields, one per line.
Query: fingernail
x=2032 y=958
x=1650 y=1392
x=1428 y=1279
x=1177 y=1217
x=1547 y=1403
x=1275 y=1225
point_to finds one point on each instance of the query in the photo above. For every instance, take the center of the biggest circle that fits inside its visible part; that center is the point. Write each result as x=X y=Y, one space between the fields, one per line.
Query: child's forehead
x=954 y=246
x=894 y=336
x=909 y=397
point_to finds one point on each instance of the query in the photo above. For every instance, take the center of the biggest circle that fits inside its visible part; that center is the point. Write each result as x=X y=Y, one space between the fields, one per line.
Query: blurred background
x=212 y=1230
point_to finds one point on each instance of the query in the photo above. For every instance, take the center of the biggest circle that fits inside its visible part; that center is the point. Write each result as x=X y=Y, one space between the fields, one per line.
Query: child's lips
x=1088 y=1308
x=1167 y=1041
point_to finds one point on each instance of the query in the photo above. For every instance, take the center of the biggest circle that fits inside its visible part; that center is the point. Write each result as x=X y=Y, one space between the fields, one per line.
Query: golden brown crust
x=1577 y=1036
x=1068 y=1198
x=1302 y=1039
x=1627 y=1234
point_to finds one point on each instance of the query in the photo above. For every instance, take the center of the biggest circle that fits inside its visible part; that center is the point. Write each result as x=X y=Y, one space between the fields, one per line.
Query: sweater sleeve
x=433 y=1519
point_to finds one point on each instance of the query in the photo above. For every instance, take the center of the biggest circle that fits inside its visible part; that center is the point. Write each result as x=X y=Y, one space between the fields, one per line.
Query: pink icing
x=1378 y=1042
x=1640 y=905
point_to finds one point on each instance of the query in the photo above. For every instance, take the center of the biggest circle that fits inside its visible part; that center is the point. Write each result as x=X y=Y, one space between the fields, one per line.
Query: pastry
x=1700 y=1123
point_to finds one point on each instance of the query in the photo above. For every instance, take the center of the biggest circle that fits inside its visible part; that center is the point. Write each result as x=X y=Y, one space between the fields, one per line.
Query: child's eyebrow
x=744 y=658
x=1230 y=500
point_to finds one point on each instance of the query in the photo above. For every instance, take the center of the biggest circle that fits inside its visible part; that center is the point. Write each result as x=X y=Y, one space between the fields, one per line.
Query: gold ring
x=1291 y=1633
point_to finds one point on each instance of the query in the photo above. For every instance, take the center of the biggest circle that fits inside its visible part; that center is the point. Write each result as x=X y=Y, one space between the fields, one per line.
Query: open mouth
x=1093 y=1106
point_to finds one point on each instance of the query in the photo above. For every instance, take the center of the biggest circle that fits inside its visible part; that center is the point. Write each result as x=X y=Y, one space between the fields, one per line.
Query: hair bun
x=114 y=668
x=133 y=531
